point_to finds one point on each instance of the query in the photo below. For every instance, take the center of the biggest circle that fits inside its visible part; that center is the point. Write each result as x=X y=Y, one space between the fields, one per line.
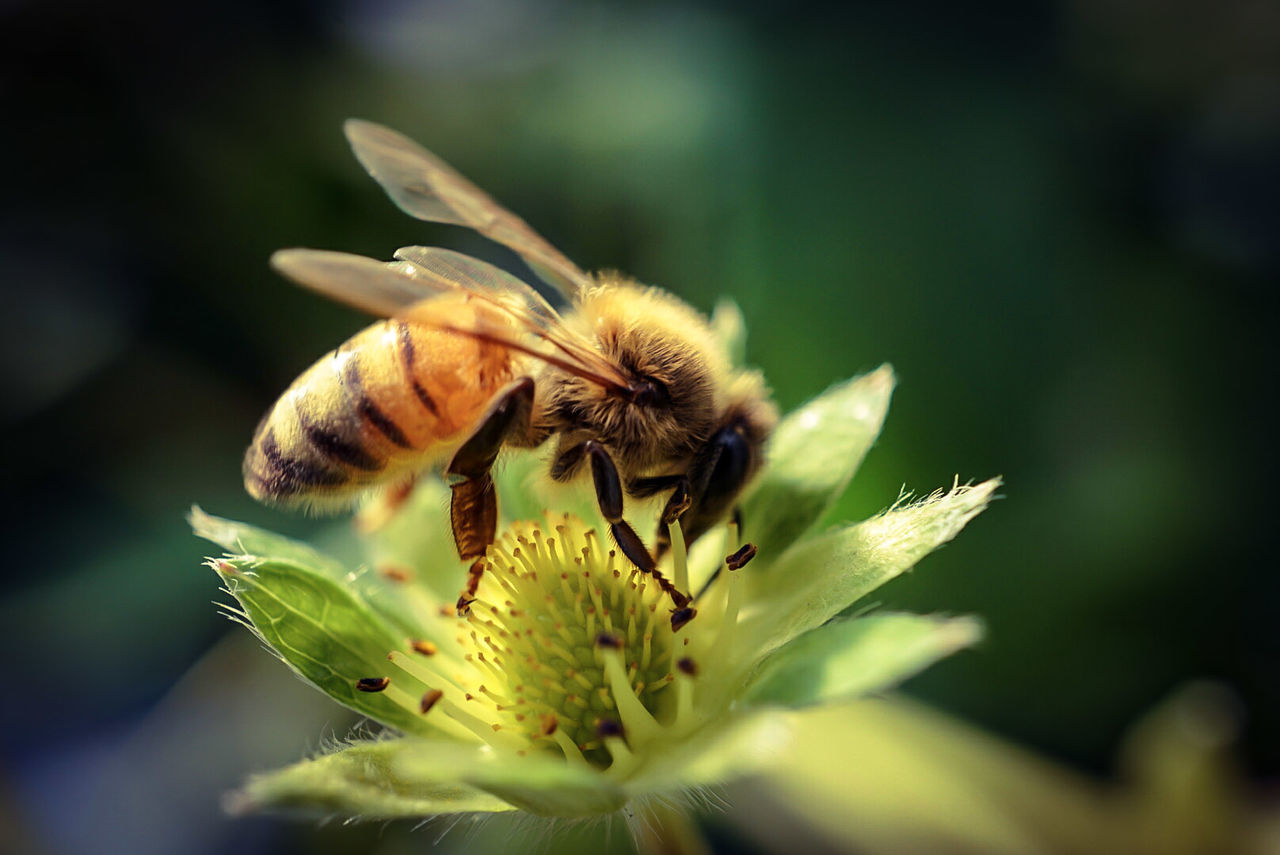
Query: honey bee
x=629 y=380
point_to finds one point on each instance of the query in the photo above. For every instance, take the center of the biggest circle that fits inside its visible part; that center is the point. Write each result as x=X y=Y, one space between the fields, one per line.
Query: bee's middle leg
x=473 y=509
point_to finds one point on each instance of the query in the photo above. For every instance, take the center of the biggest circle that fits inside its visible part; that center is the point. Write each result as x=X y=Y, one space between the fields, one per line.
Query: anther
x=396 y=574
x=739 y=559
x=372 y=684
x=687 y=666
x=679 y=502
x=609 y=640
x=429 y=700
x=606 y=727
x=463 y=608
x=421 y=645
x=549 y=724
x=681 y=616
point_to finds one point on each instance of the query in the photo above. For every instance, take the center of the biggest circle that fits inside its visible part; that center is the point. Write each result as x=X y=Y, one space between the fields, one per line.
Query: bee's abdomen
x=394 y=399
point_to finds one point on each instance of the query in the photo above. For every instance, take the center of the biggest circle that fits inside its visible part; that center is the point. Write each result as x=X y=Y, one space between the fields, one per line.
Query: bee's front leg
x=474 y=504
x=608 y=486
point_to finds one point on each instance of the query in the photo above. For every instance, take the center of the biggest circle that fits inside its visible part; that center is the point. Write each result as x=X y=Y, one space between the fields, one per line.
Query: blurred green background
x=1058 y=221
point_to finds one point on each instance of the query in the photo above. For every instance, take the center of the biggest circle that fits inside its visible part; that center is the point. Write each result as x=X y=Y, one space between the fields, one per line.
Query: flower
x=575 y=685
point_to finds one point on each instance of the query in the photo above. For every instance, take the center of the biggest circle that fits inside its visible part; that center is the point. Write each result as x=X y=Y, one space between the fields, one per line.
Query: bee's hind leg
x=473 y=507
x=609 y=496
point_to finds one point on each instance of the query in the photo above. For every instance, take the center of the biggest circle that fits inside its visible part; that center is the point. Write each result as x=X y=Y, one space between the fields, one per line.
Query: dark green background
x=1057 y=221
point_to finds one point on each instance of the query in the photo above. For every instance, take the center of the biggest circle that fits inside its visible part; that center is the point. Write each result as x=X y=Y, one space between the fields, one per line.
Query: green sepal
x=811 y=457
x=239 y=538
x=730 y=329
x=411 y=613
x=542 y=784
x=326 y=634
x=730 y=746
x=916 y=780
x=847 y=658
x=364 y=781
x=817 y=579
x=417 y=538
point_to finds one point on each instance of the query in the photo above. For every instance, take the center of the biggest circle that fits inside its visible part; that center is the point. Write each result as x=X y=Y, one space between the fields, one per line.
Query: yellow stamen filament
x=679 y=556
x=638 y=722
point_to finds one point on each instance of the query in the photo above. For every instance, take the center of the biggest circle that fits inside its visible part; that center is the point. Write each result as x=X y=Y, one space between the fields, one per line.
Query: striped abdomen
x=395 y=398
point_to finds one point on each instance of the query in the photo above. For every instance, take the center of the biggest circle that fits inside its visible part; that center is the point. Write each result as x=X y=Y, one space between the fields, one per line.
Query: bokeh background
x=1058 y=221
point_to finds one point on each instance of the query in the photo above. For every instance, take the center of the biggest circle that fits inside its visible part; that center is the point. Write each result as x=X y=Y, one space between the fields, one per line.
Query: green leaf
x=813 y=454
x=818 y=578
x=847 y=658
x=327 y=635
x=366 y=780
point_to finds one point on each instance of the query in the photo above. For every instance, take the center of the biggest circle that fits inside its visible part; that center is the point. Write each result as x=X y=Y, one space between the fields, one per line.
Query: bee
x=629 y=382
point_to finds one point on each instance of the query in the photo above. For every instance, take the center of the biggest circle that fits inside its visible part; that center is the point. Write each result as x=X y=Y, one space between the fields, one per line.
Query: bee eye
x=650 y=393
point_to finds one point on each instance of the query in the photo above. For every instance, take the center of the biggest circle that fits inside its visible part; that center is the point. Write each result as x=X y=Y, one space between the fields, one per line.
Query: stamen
x=733 y=600
x=679 y=554
x=427 y=674
x=571 y=752
x=684 y=697
x=739 y=558
x=429 y=699
x=492 y=695
x=635 y=718
x=612 y=734
x=373 y=684
x=395 y=573
x=681 y=616
x=426 y=648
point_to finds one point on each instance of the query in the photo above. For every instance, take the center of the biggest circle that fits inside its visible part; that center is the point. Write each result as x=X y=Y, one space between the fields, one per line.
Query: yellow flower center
x=569 y=647
x=569 y=637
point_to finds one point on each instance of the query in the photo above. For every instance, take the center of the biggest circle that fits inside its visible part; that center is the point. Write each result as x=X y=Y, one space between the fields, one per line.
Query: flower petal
x=326 y=634
x=366 y=781
x=817 y=579
x=811 y=458
x=847 y=658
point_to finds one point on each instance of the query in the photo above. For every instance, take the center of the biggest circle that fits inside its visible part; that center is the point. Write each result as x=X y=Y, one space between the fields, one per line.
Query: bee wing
x=364 y=283
x=403 y=289
x=426 y=187
x=444 y=268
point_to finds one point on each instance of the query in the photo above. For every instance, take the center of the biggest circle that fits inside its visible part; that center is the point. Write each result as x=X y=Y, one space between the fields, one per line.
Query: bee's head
x=672 y=368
